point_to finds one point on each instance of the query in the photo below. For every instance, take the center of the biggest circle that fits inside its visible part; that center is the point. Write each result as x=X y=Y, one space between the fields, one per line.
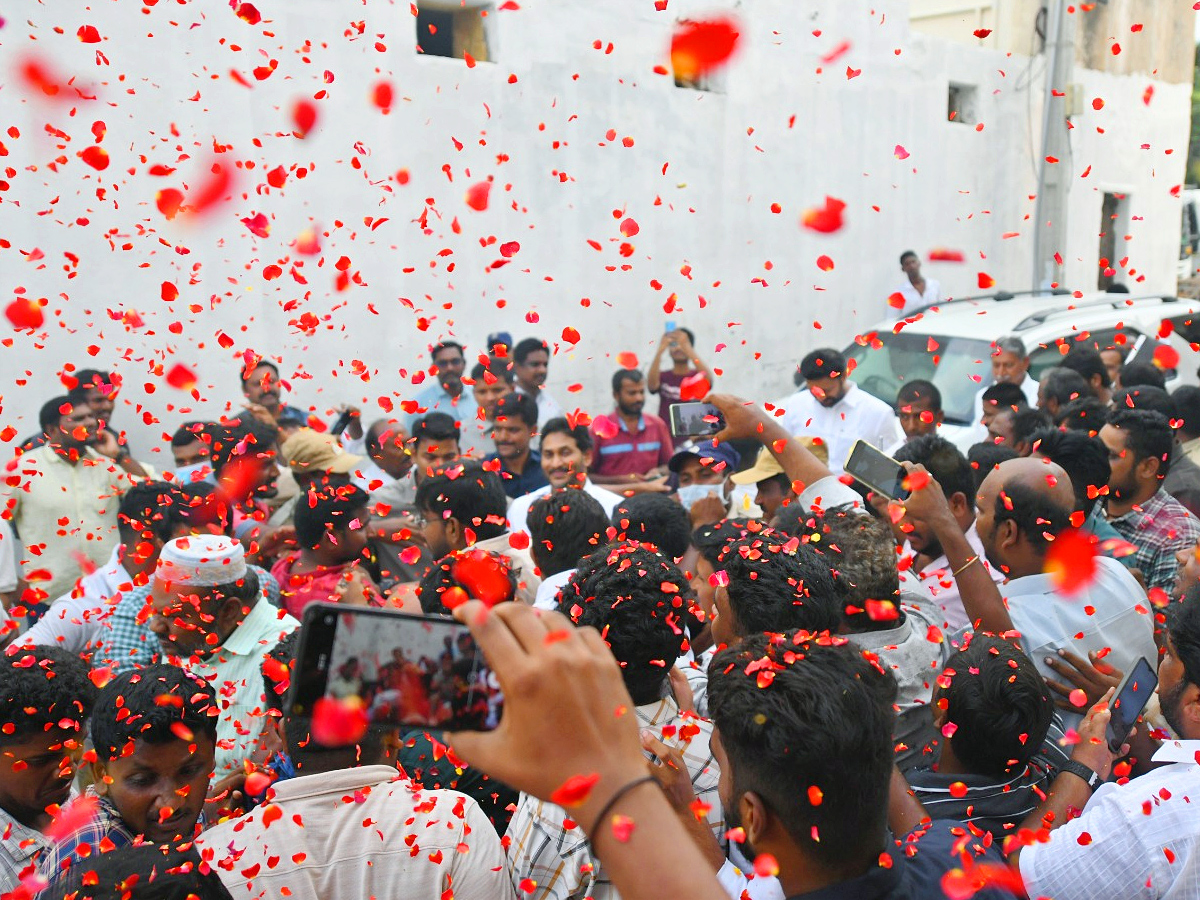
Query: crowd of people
x=729 y=668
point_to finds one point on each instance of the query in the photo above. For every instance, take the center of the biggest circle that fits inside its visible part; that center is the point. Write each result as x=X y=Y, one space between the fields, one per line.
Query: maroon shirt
x=627 y=453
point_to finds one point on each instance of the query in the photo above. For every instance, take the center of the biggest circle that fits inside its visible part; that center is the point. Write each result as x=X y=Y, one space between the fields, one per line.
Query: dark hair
x=529 y=345
x=1034 y=512
x=1148 y=434
x=499 y=367
x=446 y=345
x=440 y=578
x=51 y=411
x=277 y=669
x=87 y=379
x=1183 y=626
x=779 y=585
x=985 y=456
x=150 y=508
x=919 y=389
x=998 y=704
x=1186 y=399
x=1140 y=374
x=861 y=553
x=1064 y=385
x=140 y=872
x=565 y=526
x=435 y=426
x=1083 y=414
x=40 y=688
x=1026 y=422
x=578 y=433
x=823 y=363
x=691 y=336
x=248 y=370
x=247 y=437
x=517 y=406
x=1145 y=397
x=1087 y=362
x=944 y=461
x=1005 y=395
x=148 y=705
x=623 y=375
x=203 y=504
x=469 y=494
x=654 y=519
x=906 y=254
x=1083 y=458
x=190 y=432
x=825 y=720
x=326 y=508
x=636 y=598
x=710 y=540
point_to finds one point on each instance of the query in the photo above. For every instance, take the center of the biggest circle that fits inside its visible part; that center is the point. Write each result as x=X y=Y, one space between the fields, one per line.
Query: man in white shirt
x=531 y=364
x=836 y=410
x=916 y=292
x=566 y=452
x=386 y=476
x=1010 y=365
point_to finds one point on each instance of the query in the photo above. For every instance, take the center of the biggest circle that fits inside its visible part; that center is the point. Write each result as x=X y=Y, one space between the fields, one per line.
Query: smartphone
x=695 y=420
x=407 y=670
x=341 y=423
x=670 y=326
x=877 y=471
x=1130 y=699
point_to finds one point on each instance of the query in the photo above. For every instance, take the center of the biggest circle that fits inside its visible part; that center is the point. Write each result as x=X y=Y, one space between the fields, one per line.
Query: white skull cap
x=201 y=559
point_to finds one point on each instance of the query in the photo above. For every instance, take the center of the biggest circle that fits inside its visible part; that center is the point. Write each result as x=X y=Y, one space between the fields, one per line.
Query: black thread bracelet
x=621 y=792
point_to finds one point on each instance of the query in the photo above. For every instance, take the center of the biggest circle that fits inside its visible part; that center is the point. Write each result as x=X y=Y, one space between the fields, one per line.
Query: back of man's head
x=779 y=585
x=1062 y=385
x=858 y=548
x=1083 y=458
x=140 y=872
x=1183 y=629
x=985 y=456
x=1084 y=414
x=1027 y=498
x=157 y=700
x=997 y=702
x=327 y=508
x=146 y=512
x=806 y=726
x=1087 y=362
x=1005 y=395
x=1026 y=422
x=469 y=494
x=944 y=461
x=565 y=526
x=1145 y=397
x=463 y=575
x=1187 y=410
x=41 y=688
x=636 y=598
x=1140 y=374
x=654 y=519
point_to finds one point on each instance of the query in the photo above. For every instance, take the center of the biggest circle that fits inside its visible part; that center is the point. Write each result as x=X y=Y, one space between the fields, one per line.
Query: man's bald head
x=1026 y=501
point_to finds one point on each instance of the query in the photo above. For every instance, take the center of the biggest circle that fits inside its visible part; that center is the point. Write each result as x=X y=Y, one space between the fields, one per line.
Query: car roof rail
x=997 y=296
x=1116 y=301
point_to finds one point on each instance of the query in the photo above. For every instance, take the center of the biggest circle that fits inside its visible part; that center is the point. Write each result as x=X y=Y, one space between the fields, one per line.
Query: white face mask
x=689 y=494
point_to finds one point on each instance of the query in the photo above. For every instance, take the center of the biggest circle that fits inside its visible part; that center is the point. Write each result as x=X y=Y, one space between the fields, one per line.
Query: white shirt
x=8 y=558
x=857 y=416
x=547 y=592
x=383 y=487
x=1029 y=387
x=1143 y=839
x=913 y=300
x=943 y=587
x=364 y=832
x=77 y=618
x=518 y=510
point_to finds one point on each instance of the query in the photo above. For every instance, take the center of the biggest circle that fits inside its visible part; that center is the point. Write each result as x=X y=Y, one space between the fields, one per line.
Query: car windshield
x=959 y=367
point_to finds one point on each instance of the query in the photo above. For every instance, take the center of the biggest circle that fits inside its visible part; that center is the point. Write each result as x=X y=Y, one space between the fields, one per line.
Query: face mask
x=689 y=494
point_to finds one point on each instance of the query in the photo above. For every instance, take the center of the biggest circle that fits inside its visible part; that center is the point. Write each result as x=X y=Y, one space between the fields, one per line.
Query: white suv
x=951 y=344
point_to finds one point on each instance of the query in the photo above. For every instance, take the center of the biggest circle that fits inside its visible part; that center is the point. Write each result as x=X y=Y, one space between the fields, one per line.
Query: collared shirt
x=914 y=299
x=436 y=398
x=938 y=577
x=234 y=669
x=21 y=849
x=548 y=407
x=365 y=832
x=559 y=860
x=75 y=618
x=1144 y=839
x=856 y=416
x=518 y=484
x=518 y=510
x=1159 y=528
x=547 y=592
x=629 y=453
x=106 y=831
x=1111 y=611
x=396 y=493
x=45 y=489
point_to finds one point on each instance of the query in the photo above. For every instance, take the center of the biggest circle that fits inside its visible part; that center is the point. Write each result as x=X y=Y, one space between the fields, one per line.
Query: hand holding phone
x=1129 y=701
x=695 y=420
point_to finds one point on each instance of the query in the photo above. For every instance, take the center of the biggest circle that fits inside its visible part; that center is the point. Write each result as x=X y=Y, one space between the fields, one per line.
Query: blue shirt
x=518 y=484
x=436 y=398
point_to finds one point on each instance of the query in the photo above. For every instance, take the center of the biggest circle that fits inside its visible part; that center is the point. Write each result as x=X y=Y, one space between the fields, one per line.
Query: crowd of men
x=730 y=668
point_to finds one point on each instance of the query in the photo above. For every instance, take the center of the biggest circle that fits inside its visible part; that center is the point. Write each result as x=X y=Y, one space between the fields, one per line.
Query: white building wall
x=728 y=157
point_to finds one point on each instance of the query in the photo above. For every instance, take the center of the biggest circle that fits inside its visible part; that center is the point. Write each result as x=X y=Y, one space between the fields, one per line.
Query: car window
x=959 y=367
x=1048 y=355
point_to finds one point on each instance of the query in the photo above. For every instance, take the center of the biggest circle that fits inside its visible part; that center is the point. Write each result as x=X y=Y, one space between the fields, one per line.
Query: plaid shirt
x=560 y=860
x=21 y=847
x=1159 y=528
x=106 y=831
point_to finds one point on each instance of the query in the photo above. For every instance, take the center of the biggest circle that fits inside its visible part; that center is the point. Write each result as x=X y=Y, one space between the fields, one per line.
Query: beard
x=734 y=820
x=1170 y=707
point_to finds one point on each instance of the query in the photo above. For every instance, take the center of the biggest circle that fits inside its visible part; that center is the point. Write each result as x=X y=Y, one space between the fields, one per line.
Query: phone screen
x=695 y=419
x=405 y=669
x=1131 y=698
x=877 y=471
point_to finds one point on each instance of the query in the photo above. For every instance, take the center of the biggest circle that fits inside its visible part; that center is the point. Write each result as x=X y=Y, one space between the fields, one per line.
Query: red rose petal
x=477 y=195
x=575 y=790
x=699 y=47
x=1071 y=561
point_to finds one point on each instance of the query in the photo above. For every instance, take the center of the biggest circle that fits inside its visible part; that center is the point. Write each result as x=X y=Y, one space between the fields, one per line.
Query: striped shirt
x=626 y=452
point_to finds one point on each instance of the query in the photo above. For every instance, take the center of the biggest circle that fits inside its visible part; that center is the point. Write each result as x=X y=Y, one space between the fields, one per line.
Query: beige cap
x=767 y=466
x=309 y=451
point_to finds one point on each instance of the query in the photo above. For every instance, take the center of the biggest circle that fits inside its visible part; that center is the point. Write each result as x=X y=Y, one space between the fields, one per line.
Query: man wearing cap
x=312 y=456
x=835 y=409
x=772 y=484
x=702 y=471
x=207 y=612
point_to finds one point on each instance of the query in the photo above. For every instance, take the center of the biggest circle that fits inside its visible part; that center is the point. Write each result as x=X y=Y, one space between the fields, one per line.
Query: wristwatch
x=1075 y=767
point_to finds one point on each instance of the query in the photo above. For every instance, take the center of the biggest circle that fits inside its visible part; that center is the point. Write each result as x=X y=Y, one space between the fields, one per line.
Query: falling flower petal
x=699 y=47
x=1071 y=561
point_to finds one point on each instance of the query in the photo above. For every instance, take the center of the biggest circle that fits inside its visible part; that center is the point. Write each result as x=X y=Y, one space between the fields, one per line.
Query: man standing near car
x=1010 y=365
x=835 y=409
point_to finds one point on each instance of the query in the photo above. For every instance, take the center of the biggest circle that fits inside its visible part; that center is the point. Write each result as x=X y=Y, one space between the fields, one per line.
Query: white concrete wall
x=729 y=156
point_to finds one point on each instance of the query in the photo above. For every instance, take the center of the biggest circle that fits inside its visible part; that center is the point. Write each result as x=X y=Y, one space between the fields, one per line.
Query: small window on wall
x=960 y=103
x=453 y=30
